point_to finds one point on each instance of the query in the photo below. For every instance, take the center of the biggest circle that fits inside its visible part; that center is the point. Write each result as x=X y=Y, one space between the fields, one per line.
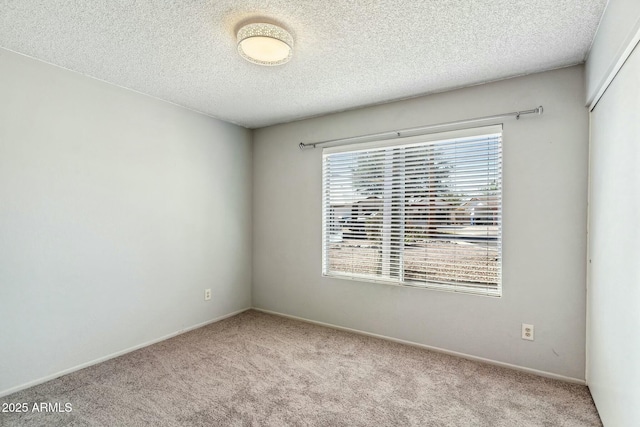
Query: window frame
x=410 y=141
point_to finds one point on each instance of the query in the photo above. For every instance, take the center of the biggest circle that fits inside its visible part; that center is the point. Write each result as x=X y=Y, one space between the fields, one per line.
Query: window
x=420 y=211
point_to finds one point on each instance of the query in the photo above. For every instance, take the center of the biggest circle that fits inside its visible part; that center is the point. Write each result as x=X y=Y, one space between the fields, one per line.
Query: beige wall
x=545 y=193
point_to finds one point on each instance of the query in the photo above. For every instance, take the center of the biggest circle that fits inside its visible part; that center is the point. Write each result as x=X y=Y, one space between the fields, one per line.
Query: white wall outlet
x=207 y=294
x=527 y=332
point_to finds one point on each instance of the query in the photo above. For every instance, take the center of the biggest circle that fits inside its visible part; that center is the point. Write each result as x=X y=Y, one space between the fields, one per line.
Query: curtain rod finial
x=301 y=145
x=540 y=109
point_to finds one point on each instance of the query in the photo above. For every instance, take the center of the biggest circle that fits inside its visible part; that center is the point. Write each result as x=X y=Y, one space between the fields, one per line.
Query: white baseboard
x=329 y=325
x=116 y=354
x=432 y=348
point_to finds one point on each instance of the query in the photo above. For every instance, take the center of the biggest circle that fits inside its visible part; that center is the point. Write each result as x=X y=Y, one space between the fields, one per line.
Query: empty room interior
x=280 y=212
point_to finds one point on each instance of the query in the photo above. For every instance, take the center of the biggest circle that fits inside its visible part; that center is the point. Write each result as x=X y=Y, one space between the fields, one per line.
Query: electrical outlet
x=207 y=294
x=527 y=332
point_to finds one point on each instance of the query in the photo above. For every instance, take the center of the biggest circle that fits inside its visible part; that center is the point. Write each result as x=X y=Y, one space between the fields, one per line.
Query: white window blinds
x=419 y=211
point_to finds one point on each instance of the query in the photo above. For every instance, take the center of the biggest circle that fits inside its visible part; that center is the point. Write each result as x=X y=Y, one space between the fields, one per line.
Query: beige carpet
x=259 y=369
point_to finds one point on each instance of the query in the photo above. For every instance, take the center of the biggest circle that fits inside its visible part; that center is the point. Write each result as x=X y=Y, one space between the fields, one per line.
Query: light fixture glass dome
x=265 y=44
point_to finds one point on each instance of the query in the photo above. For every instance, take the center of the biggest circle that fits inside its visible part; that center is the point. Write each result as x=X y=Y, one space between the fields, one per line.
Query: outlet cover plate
x=527 y=332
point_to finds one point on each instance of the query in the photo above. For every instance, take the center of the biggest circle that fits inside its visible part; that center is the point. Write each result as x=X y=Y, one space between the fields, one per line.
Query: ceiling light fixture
x=265 y=44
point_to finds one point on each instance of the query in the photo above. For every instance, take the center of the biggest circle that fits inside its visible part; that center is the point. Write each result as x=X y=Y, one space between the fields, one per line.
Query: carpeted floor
x=260 y=369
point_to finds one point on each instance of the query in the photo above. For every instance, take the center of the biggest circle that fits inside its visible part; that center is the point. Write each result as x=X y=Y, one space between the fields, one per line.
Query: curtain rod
x=403 y=133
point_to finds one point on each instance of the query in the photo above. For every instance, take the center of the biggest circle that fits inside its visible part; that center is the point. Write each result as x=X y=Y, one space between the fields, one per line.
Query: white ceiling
x=347 y=53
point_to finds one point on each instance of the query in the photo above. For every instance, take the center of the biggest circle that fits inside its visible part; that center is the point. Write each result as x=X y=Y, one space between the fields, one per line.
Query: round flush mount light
x=265 y=44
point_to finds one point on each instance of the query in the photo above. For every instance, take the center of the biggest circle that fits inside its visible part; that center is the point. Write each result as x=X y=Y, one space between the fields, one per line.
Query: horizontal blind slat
x=426 y=213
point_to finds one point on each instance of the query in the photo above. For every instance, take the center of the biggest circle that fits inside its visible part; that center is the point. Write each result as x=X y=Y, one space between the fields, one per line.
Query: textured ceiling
x=347 y=53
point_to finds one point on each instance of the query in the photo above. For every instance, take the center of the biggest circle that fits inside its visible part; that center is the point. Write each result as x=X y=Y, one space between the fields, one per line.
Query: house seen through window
x=420 y=211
